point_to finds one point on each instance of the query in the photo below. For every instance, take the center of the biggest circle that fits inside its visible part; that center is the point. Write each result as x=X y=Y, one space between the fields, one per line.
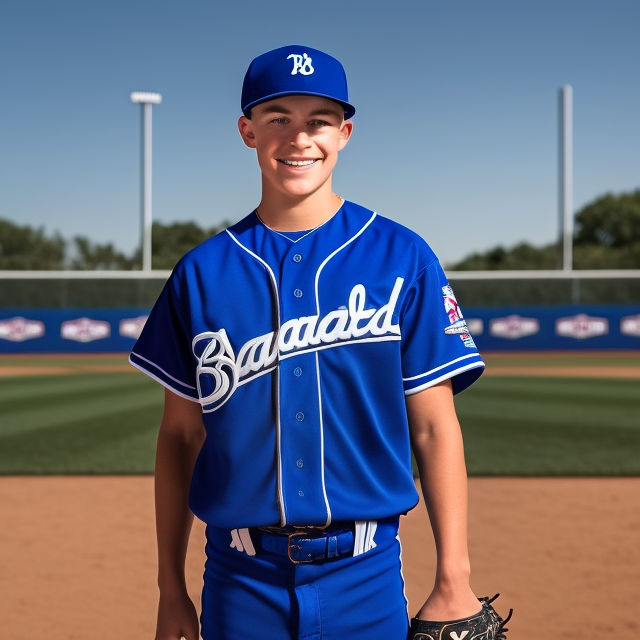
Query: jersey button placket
x=299 y=402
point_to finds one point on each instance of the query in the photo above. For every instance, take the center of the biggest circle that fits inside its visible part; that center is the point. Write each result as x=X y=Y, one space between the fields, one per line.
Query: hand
x=450 y=603
x=177 y=618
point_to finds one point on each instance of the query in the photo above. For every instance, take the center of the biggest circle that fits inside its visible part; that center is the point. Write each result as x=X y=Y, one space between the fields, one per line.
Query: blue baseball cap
x=295 y=70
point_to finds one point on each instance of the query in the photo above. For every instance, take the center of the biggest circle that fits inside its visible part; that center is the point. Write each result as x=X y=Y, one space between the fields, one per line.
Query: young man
x=304 y=351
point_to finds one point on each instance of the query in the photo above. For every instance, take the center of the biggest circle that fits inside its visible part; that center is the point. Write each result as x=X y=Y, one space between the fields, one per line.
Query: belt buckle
x=295 y=546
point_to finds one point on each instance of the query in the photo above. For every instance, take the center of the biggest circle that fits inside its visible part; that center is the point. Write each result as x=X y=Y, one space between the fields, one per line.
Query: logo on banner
x=513 y=327
x=476 y=326
x=132 y=327
x=19 y=329
x=582 y=326
x=85 y=330
x=461 y=327
x=630 y=326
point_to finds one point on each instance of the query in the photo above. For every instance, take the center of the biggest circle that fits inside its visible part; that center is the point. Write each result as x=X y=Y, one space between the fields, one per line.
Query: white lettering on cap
x=301 y=64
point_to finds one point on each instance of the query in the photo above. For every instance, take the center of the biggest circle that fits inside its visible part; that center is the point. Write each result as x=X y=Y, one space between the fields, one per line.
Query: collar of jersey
x=304 y=234
x=317 y=247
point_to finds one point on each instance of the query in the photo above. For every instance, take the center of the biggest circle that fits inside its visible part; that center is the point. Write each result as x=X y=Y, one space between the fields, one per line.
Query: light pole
x=146 y=99
x=565 y=178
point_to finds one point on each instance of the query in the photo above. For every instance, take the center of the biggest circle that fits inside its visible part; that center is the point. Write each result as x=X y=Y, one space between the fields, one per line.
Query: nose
x=300 y=139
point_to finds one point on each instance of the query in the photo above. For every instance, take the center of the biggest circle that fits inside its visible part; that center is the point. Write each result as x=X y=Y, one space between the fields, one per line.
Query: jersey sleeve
x=163 y=350
x=436 y=343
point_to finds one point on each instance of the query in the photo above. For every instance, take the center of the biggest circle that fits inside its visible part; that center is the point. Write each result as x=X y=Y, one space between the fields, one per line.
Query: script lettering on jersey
x=301 y=64
x=220 y=371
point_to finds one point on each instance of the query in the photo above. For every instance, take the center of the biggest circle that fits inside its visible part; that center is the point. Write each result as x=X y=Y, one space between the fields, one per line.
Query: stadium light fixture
x=146 y=100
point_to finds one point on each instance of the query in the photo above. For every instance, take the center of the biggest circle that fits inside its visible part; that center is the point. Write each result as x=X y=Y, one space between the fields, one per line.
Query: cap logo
x=301 y=64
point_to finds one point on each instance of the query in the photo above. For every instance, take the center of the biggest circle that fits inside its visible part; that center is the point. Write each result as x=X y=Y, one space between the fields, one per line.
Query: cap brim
x=349 y=110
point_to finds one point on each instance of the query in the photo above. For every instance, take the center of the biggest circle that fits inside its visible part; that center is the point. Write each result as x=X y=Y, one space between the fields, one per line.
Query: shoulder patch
x=457 y=324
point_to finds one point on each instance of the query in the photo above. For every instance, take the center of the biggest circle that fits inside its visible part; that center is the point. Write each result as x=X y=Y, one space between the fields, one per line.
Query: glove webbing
x=500 y=628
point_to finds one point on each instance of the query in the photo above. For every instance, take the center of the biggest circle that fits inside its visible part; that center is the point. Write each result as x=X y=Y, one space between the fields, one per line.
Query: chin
x=301 y=190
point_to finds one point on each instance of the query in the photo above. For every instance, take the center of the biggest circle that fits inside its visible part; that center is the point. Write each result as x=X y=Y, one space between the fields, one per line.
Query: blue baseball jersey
x=300 y=351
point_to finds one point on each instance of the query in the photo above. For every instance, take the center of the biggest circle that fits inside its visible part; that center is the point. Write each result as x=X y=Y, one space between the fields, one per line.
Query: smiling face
x=297 y=139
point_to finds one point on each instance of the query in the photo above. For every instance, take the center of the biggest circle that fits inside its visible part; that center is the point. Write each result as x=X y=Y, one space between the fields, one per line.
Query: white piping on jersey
x=442 y=366
x=404 y=592
x=446 y=376
x=358 y=292
x=340 y=248
x=283 y=516
x=320 y=268
x=324 y=488
x=164 y=383
x=137 y=355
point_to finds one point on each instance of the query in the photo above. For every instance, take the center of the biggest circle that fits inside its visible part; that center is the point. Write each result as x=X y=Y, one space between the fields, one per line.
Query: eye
x=279 y=121
x=319 y=123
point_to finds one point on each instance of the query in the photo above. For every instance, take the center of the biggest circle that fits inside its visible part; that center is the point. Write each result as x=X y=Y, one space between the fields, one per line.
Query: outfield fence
x=115 y=289
x=104 y=310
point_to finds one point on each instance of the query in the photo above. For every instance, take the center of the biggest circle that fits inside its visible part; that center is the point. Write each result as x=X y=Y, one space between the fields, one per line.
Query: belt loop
x=364 y=533
x=241 y=540
x=332 y=546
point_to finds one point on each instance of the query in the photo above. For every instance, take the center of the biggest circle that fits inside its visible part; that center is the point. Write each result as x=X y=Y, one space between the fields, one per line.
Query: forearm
x=175 y=458
x=443 y=478
x=437 y=445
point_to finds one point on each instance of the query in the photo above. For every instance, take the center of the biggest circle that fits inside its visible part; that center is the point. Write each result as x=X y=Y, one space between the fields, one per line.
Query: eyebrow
x=323 y=111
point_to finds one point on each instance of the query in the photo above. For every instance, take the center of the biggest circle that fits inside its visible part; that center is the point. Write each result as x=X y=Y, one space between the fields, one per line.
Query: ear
x=345 y=133
x=245 y=127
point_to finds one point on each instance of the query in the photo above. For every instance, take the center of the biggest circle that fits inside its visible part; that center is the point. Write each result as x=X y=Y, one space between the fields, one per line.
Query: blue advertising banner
x=576 y=327
x=494 y=329
x=69 y=330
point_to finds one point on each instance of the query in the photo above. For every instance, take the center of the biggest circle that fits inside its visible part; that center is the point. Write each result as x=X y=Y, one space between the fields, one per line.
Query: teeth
x=298 y=163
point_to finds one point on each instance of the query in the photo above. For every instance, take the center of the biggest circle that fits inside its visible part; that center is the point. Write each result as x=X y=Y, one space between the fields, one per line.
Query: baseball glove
x=485 y=625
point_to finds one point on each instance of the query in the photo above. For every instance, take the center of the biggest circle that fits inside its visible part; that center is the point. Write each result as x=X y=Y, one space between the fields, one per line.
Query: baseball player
x=305 y=351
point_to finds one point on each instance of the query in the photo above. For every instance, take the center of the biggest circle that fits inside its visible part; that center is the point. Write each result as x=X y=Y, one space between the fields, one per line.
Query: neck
x=289 y=213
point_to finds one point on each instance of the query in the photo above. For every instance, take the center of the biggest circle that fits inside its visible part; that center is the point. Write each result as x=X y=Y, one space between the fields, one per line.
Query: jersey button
x=297 y=372
x=297 y=293
x=299 y=416
x=301 y=493
x=297 y=257
x=300 y=463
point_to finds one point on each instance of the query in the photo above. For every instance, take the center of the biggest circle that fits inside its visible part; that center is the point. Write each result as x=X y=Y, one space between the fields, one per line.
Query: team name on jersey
x=219 y=371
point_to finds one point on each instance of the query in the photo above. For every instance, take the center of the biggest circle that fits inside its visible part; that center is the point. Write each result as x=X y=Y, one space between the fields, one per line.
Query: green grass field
x=79 y=423
x=95 y=422
x=551 y=426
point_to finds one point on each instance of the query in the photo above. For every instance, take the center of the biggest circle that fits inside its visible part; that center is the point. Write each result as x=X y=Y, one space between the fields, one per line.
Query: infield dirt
x=78 y=556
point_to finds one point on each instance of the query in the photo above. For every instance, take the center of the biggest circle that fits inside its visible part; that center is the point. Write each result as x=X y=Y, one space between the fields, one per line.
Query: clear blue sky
x=455 y=134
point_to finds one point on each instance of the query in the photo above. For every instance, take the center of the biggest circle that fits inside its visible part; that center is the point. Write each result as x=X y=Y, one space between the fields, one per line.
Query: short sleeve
x=163 y=350
x=436 y=343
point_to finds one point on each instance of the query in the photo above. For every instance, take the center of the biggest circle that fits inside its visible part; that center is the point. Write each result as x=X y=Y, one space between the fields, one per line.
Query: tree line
x=607 y=236
x=25 y=247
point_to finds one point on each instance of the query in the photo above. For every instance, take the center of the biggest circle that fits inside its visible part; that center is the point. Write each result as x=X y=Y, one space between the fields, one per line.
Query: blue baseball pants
x=267 y=597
